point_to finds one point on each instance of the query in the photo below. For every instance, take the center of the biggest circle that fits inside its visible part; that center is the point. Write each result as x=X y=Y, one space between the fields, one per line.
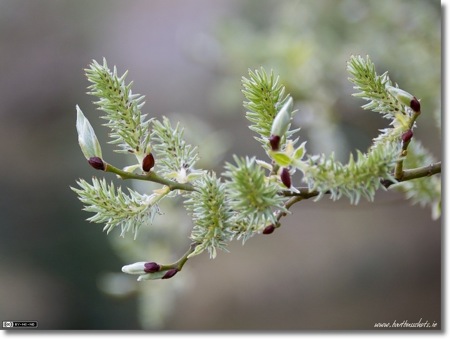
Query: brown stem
x=415 y=173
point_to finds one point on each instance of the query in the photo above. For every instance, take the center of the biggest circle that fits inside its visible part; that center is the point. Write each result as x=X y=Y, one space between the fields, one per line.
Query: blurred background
x=331 y=265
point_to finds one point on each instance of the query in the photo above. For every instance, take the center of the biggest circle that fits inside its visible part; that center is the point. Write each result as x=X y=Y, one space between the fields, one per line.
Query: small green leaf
x=86 y=137
x=299 y=152
x=281 y=159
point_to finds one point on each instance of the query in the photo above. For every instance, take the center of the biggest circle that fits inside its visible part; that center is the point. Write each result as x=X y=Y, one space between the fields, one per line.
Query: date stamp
x=19 y=324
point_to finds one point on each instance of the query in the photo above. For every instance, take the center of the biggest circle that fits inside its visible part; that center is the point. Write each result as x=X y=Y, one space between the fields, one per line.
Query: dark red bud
x=151 y=267
x=148 y=162
x=269 y=229
x=170 y=273
x=274 y=142
x=406 y=137
x=97 y=163
x=415 y=105
x=286 y=177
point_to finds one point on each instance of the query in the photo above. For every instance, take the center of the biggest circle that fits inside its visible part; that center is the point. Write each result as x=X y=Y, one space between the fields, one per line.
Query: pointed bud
x=282 y=120
x=406 y=137
x=405 y=98
x=97 y=163
x=86 y=137
x=274 y=142
x=401 y=95
x=285 y=177
x=269 y=229
x=148 y=162
x=415 y=105
x=151 y=267
x=170 y=273
x=136 y=268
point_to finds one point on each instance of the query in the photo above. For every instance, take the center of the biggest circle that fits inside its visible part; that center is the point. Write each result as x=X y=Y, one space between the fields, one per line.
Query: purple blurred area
x=331 y=266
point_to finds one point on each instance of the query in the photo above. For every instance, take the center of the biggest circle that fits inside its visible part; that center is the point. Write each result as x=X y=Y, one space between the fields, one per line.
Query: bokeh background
x=331 y=266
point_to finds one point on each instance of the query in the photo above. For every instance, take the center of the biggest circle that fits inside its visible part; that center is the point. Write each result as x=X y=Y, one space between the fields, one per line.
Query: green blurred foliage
x=308 y=44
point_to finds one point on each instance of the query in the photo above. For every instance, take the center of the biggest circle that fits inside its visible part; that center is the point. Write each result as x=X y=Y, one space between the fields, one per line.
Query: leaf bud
x=170 y=273
x=274 y=142
x=285 y=177
x=151 y=267
x=97 y=163
x=406 y=137
x=405 y=98
x=136 y=268
x=148 y=162
x=86 y=137
x=269 y=229
x=282 y=119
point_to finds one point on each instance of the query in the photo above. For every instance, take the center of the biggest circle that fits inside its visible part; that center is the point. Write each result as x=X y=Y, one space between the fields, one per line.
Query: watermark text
x=407 y=324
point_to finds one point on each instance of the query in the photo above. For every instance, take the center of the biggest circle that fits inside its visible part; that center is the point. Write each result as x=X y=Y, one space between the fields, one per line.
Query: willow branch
x=178 y=265
x=150 y=176
x=415 y=173
x=406 y=138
